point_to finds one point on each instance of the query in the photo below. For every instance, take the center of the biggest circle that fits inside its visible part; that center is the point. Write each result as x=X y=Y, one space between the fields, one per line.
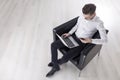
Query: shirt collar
x=95 y=17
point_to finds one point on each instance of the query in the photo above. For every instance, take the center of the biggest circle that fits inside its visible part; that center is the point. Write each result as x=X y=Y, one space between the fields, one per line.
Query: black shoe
x=59 y=62
x=51 y=64
x=53 y=70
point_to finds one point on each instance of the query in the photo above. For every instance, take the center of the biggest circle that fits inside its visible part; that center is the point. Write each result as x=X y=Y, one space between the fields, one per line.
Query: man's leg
x=70 y=54
x=54 y=56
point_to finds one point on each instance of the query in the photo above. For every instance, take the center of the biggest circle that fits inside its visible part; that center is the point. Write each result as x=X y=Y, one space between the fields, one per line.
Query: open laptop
x=68 y=41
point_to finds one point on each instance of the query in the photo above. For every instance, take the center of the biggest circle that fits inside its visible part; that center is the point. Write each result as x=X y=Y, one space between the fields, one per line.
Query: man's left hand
x=86 y=40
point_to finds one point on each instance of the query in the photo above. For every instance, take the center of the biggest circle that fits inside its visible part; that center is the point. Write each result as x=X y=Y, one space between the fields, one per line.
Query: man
x=85 y=28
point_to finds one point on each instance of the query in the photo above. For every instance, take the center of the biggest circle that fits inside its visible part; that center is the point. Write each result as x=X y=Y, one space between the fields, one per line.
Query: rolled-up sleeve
x=103 y=36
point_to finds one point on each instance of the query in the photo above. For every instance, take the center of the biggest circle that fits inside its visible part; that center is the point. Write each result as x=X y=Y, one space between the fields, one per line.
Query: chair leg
x=79 y=73
x=99 y=53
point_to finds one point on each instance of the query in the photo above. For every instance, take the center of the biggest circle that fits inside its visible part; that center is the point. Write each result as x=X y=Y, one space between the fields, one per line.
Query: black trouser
x=70 y=54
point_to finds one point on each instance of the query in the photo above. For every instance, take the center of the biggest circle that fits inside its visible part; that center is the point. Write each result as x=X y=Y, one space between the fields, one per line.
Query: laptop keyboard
x=68 y=41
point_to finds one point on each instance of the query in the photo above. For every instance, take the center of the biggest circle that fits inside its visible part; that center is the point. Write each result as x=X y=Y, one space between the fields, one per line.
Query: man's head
x=89 y=11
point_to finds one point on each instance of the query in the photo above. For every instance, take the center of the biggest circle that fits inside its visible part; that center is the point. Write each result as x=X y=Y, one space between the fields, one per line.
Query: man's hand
x=85 y=40
x=66 y=35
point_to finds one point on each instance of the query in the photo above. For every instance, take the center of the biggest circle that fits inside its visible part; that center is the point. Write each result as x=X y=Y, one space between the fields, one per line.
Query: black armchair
x=88 y=52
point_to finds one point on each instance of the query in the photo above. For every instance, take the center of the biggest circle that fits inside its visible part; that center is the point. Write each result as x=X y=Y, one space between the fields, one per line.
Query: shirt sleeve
x=75 y=27
x=103 y=36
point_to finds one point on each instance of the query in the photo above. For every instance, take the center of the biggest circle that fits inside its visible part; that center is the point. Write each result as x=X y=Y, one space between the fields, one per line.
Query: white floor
x=26 y=34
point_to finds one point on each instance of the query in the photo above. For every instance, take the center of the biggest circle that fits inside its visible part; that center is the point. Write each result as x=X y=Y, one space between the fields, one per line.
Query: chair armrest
x=87 y=48
x=84 y=53
x=88 y=53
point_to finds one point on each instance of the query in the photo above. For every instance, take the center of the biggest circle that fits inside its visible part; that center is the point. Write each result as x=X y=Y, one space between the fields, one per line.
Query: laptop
x=68 y=41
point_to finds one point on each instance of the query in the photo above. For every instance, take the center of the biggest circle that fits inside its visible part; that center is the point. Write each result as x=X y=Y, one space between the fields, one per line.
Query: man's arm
x=74 y=28
x=103 y=35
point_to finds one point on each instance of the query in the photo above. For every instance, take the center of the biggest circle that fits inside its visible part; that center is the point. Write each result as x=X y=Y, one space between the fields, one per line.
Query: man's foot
x=51 y=64
x=59 y=62
x=53 y=70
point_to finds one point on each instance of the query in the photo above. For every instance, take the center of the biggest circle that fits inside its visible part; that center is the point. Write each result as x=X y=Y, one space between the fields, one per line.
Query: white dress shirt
x=87 y=28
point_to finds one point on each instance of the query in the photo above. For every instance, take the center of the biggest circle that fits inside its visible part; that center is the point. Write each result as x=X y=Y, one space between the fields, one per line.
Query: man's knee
x=54 y=44
x=57 y=44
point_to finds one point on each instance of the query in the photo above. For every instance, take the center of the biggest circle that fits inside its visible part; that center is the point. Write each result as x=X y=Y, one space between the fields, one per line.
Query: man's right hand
x=66 y=35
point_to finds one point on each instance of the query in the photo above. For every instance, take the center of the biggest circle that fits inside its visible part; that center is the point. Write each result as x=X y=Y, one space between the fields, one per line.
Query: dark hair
x=89 y=9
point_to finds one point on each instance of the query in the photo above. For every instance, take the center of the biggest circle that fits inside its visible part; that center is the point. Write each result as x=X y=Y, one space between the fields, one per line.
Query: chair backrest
x=66 y=27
